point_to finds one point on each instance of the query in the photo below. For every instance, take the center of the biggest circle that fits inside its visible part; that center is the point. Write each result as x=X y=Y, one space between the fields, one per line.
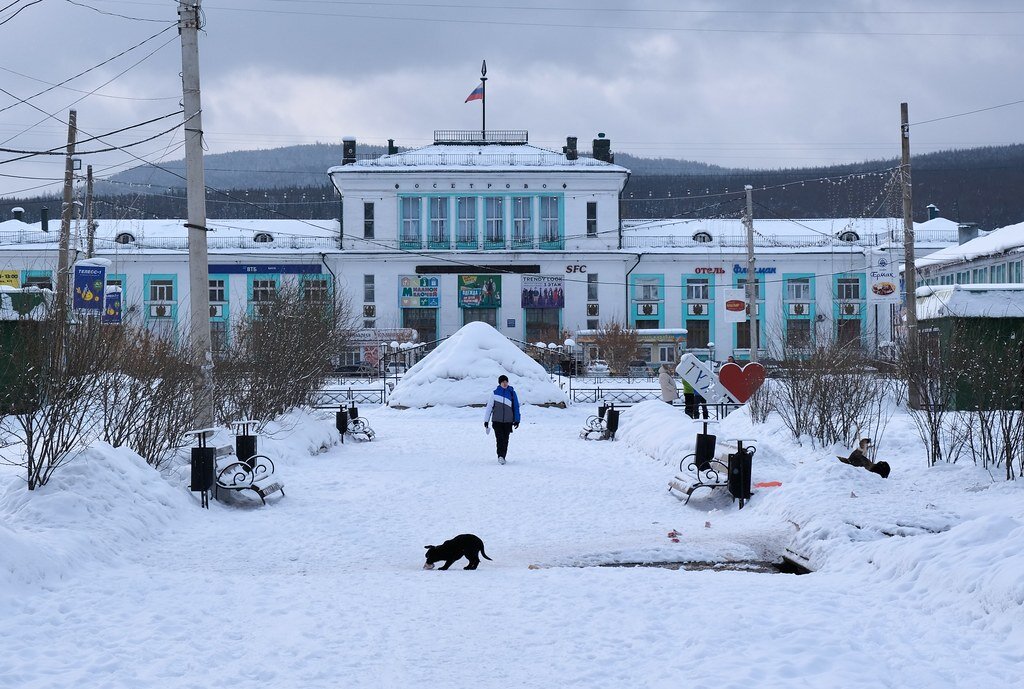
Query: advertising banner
x=419 y=291
x=883 y=283
x=479 y=291
x=543 y=292
x=111 y=307
x=735 y=301
x=89 y=282
x=10 y=278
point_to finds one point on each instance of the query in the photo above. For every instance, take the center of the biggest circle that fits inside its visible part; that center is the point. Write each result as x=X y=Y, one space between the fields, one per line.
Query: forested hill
x=981 y=185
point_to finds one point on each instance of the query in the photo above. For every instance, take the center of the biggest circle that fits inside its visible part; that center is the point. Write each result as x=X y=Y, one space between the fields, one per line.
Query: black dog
x=466 y=545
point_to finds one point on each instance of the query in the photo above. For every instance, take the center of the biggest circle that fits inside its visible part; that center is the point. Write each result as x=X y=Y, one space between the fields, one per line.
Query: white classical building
x=491 y=228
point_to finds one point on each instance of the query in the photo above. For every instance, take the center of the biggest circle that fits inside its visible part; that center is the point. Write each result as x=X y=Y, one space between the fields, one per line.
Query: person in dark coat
x=859 y=458
x=503 y=412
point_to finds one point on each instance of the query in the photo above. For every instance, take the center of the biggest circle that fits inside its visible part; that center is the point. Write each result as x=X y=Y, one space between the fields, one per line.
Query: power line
x=971 y=112
x=19 y=10
x=115 y=14
x=93 y=93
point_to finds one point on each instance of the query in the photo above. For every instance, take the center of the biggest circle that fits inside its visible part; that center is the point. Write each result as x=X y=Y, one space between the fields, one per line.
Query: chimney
x=44 y=219
x=603 y=148
x=18 y=212
x=966 y=231
x=570 y=150
x=392 y=149
x=348 y=155
x=933 y=211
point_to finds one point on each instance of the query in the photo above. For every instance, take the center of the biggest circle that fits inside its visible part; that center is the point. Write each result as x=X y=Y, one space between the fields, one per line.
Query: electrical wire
x=19 y=11
x=115 y=14
x=964 y=114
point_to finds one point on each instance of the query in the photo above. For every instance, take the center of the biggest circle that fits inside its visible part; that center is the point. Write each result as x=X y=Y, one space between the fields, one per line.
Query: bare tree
x=618 y=343
x=54 y=381
x=280 y=355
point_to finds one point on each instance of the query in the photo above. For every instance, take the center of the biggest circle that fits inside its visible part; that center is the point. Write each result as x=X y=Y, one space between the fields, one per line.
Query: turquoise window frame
x=487 y=243
x=759 y=279
x=531 y=233
x=812 y=312
x=709 y=316
x=837 y=314
x=559 y=243
x=147 y=280
x=634 y=301
x=227 y=295
x=477 y=206
x=26 y=274
x=445 y=243
x=402 y=242
x=276 y=277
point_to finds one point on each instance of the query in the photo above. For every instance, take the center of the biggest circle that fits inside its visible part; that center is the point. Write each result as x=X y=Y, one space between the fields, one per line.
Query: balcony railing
x=480 y=136
x=781 y=240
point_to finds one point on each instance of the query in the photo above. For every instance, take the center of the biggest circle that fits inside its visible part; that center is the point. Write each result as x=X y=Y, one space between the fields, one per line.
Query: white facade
x=433 y=238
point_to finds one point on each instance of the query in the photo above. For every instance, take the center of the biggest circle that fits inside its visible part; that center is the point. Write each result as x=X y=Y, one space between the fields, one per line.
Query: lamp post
x=555 y=350
x=570 y=347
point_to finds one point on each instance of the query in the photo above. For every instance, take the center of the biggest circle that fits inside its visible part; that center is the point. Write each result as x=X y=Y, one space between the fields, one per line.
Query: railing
x=479 y=160
x=428 y=245
x=330 y=398
x=213 y=241
x=480 y=136
x=631 y=241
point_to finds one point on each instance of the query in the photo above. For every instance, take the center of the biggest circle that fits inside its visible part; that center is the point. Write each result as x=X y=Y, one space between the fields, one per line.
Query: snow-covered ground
x=111 y=576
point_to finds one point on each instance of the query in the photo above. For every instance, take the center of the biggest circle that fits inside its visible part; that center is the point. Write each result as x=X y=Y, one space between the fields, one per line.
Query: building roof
x=477 y=157
x=172 y=234
x=1005 y=240
x=970 y=301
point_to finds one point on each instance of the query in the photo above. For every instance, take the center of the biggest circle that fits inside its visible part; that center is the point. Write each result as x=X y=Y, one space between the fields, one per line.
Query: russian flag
x=478 y=93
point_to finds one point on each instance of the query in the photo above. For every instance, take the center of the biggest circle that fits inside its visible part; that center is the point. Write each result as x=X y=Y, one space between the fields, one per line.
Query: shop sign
x=543 y=292
x=419 y=291
x=479 y=291
x=111 y=306
x=89 y=282
x=735 y=305
x=703 y=380
x=705 y=270
x=737 y=269
x=883 y=286
x=10 y=278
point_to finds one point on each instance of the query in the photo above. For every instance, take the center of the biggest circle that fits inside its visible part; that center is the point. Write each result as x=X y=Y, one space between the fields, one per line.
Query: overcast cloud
x=729 y=83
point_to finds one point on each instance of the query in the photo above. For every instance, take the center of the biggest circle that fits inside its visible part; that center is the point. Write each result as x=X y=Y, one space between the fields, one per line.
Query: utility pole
x=909 y=271
x=748 y=220
x=90 y=226
x=198 y=261
x=63 y=264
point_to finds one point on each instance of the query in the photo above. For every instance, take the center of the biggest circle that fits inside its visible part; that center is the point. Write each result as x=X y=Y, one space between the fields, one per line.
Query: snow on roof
x=970 y=301
x=464 y=370
x=477 y=156
x=1009 y=239
x=172 y=234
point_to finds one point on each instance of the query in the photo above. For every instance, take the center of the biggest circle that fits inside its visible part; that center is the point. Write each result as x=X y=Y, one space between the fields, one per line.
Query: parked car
x=638 y=369
x=598 y=367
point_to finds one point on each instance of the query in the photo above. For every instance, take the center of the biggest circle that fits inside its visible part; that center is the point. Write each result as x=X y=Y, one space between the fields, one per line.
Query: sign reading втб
x=699 y=375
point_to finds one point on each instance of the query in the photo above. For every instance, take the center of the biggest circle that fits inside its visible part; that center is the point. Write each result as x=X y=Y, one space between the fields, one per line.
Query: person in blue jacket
x=502 y=411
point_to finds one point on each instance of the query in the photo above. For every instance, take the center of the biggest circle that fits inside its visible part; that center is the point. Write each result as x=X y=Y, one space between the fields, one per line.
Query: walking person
x=669 y=393
x=503 y=412
x=688 y=400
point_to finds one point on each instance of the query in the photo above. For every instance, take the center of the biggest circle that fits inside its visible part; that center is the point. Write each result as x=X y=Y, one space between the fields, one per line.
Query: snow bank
x=97 y=507
x=464 y=370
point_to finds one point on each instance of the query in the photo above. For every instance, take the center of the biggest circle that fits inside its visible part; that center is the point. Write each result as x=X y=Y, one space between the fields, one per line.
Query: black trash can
x=613 y=422
x=704 y=451
x=203 y=464
x=739 y=474
x=353 y=412
x=601 y=411
x=245 y=448
x=341 y=422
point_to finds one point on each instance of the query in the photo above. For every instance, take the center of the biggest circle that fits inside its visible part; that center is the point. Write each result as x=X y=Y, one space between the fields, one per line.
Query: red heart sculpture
x=741 y=383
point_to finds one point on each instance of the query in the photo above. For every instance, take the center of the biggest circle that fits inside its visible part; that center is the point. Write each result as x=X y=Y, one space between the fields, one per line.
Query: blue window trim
x=403 y=243
x=147 y=279
x=26 y=274
x=709 y=316
x=308 y=277
x=812 y=310
x=477 y=208
x=488 y=244
x=862 y=302
x=249 y=289
x=446 y=243
x=227 y=296
x=557 y=244
x=634 y=301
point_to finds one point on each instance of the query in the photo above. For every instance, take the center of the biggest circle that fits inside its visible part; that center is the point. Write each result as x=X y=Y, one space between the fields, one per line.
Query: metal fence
x=329 y=398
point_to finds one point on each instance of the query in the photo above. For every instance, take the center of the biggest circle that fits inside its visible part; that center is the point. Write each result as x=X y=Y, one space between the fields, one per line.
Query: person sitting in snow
x=859 y=458
x=503 y=410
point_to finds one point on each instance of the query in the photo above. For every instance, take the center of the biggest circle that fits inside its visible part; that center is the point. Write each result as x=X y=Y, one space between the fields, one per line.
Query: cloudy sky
x=726 y=82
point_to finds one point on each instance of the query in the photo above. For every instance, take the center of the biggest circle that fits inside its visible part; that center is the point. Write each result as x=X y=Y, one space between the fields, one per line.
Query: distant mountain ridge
x=980 y=185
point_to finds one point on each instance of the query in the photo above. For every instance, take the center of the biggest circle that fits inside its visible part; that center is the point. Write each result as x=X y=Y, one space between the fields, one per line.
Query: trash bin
x=739 y=474
x=203 y=463
x=353 y=412
x=341 y=422
x=245 y=448
x=704 y=451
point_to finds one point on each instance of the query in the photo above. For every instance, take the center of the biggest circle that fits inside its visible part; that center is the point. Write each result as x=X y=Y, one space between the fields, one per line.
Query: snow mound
x=464 y=370
x=96 y=508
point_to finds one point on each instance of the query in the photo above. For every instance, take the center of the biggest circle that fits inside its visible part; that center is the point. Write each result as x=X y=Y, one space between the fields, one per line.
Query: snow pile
x=97 y=507
x=464 y=370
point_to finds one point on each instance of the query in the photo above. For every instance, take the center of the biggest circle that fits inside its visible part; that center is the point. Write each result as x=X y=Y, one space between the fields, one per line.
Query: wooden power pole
x=63 y=262
x=90 y=226
x=198 y=260
x=748 y=220
x=909 y=271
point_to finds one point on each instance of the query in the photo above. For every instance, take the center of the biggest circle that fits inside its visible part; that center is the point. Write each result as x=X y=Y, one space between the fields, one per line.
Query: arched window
x=702 y=237
x=124 y=238
x=848 y=236
x=263 y=237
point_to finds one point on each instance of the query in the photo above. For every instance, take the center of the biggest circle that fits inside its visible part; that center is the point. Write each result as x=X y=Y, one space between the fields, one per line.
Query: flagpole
x=483 y=98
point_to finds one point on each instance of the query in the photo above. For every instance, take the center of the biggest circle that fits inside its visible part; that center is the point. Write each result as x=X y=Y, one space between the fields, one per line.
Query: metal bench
x=711 y=472
x=604 y=424
x=255 y=474
x=348 y=422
